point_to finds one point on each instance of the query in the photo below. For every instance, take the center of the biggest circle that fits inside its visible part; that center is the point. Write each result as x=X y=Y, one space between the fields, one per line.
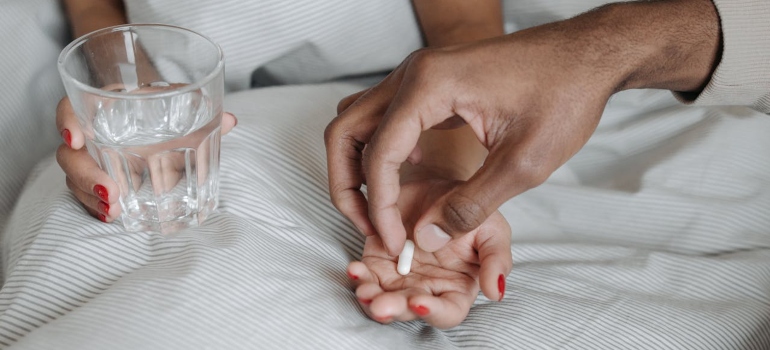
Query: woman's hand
x=97 y=192
x=442 y=285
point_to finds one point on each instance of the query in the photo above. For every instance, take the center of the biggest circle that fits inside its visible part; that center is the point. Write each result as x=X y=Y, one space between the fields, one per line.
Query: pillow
x=32 y=32
x=304 y=41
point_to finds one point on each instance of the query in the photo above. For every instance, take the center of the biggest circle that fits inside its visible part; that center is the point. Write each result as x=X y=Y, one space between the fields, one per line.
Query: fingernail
x=66 y=135
x=104 y=207
x=101 y=192
x=432 y=238
x=501 y=286
x=365 y=301
x=352 y=276
x=102 y=218
x=420 y=310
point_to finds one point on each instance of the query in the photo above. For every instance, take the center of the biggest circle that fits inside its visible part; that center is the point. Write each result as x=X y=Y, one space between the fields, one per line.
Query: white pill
x=405 y=258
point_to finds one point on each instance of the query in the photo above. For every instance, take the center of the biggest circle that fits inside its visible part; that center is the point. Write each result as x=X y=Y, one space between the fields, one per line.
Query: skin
x=532 y=98
x=442 y=285
x=444 y=282
x=83 y=173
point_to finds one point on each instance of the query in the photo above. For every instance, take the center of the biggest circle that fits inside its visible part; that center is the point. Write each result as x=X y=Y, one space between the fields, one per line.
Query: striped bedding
x=655 y=236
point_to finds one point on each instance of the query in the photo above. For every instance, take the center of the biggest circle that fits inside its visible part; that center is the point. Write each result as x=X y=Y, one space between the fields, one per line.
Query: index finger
x=68 y=125
x=415 y=108
x=345 y=139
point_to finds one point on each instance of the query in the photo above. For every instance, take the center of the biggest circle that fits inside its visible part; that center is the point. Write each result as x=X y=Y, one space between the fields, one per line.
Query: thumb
x=453 y=216
x=469 y=204
x=493 y=242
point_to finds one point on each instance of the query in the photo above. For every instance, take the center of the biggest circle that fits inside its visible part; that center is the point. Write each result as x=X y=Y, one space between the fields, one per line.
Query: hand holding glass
x=149 y=102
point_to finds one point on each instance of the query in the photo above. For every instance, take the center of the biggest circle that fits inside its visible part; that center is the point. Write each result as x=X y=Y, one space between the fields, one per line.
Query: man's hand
x=532 y=98
x=442 y=285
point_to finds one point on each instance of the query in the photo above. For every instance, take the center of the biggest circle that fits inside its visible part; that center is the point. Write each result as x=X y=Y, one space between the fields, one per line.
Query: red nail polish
x=501 y=286
x=66 y=135
x=101 y=191
x=352 y=276
x=102 y=218
x=419 y=309
x=104 y=208
x=365 y=301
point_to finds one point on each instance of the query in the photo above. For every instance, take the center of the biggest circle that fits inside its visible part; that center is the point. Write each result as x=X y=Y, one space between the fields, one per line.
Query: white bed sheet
x=655 y=236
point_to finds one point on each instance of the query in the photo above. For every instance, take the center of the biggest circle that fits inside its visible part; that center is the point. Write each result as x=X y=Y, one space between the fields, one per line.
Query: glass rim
x=65 y=53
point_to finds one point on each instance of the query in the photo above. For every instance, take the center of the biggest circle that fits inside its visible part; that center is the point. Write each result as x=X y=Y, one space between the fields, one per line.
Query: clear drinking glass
x=149 y=101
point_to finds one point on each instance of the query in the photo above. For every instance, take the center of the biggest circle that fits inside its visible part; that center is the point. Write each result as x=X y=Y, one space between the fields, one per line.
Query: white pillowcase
x=32 y=33
x=302 y=41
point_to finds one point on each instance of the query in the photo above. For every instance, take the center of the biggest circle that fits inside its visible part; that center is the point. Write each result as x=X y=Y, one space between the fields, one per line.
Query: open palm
x=442 y=285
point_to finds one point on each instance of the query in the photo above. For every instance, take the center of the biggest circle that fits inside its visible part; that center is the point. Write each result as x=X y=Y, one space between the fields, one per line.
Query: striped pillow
x=302 y=41
x=35 y=32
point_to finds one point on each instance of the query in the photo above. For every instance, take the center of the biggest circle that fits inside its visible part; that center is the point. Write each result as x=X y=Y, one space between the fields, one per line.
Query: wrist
x=84 y=20
x=672 y=45
x=462 y=33
x=455 y=22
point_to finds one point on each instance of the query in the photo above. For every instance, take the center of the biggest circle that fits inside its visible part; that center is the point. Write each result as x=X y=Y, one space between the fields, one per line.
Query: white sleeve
x=743 y=74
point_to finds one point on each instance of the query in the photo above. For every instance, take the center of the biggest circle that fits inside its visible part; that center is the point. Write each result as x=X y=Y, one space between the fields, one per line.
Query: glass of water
x=149 y=101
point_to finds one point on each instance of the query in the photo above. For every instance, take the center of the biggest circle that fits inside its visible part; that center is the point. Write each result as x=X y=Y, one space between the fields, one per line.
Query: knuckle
x=423 y=58
x=346 y=102
x=342 y=105
x=424 y=63
x=331 y=131
x=463 y=214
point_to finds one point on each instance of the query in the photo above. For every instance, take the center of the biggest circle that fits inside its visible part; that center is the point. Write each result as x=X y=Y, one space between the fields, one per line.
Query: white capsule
x=405 y=258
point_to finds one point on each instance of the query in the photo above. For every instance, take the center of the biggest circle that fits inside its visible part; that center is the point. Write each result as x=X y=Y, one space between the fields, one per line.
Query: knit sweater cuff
x=743 y=74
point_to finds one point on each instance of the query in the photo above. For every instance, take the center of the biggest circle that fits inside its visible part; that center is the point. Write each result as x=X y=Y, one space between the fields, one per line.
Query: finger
x=68 y=125
x=359 y=273
x=504 y=175
x=94 y=205
x=348 y=100
x=96 y=214
x=444 y=311
x=86 y=175
x=394 y=142
x=345 y=139
x=366 y=292
x=493 y=242
x=393 y=306
x=229 y=121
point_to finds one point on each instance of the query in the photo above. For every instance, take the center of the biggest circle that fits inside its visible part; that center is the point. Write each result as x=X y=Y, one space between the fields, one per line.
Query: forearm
x=86 y=16
x=452 y=22
x=673 y=44
x=89 y=15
